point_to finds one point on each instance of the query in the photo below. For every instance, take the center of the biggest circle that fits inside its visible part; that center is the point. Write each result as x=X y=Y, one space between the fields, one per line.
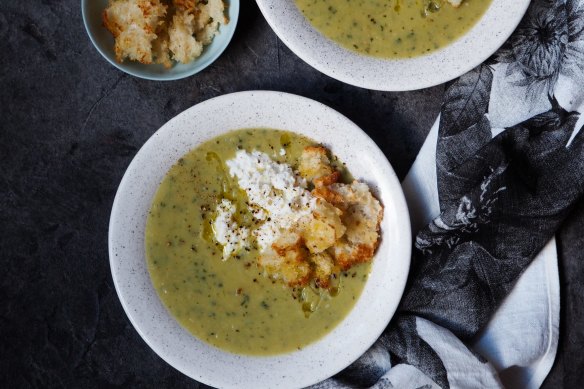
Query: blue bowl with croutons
x=160 y=40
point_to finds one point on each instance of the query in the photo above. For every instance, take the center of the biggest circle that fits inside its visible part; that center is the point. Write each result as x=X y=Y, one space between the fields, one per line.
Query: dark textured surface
x=69 y=126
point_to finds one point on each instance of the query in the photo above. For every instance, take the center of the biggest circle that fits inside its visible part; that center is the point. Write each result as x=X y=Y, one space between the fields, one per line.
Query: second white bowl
x=492 y=30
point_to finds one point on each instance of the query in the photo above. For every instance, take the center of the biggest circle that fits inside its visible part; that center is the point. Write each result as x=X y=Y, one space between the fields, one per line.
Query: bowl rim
x=122 y=220
x=233 y=10
x=455 y=59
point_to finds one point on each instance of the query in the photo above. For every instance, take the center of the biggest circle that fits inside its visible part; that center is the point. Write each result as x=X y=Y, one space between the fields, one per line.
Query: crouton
x=324 y=268
x=287 y=259
x=363 y=214
x=185 y=5
x=216 y=10
x=329 y=214
x=332 y=197
x=134 y=24
x=362 y=218
x=323 y=228
x=318 y=236
x=183 y=45
x=210 y=16
x=347 y=255
x=329 y=179
x=314 y=163
x=161 y=50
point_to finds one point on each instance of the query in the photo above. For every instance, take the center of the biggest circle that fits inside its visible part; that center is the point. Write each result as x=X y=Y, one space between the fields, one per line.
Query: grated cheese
x=276 y=196
x=227 y=233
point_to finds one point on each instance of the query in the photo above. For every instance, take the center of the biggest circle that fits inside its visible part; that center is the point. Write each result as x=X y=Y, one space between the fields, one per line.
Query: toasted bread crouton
x=134 y=44
x=161 y=50
x=326 y=212
x=332 y=197
x=323 y=228
x=209 y=17
x=134 y=25
x=348 y=254
x=363 y=213
x=314 y=163
x=287 y=260
x=318 y=236
x=185 y=5
x=362 y=217
x=183 y=45
x=329 y=179
x=455 y=3
x=324 y=267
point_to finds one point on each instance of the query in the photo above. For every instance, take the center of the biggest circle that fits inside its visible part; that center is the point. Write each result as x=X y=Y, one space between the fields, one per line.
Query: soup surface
x=392 y=28
x=230 y=304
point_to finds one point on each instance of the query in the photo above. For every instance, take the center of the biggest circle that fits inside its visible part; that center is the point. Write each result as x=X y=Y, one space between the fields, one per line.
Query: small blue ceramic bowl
x=103 y=41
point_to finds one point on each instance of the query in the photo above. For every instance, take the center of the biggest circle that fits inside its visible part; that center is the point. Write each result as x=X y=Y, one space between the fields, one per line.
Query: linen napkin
x=501 y=169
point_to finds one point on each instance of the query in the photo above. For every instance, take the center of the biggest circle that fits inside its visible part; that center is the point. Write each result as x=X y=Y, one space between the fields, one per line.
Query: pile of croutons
x=341 y=231
x=157 y=31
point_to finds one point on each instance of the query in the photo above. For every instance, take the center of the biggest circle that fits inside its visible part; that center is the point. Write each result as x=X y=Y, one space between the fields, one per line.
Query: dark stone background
x=69 y=125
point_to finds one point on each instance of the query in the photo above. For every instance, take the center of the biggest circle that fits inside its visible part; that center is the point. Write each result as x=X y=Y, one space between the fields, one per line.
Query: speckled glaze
x=174 y=344
x=440 y=66
x=103 y=41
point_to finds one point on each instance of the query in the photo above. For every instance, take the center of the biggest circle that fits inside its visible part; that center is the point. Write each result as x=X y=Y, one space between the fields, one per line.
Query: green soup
x=392 y=28
x=230 y=304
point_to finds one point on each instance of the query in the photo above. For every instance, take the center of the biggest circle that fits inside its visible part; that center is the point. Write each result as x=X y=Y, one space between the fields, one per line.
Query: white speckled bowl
x=443 y=65
x=197 y=359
